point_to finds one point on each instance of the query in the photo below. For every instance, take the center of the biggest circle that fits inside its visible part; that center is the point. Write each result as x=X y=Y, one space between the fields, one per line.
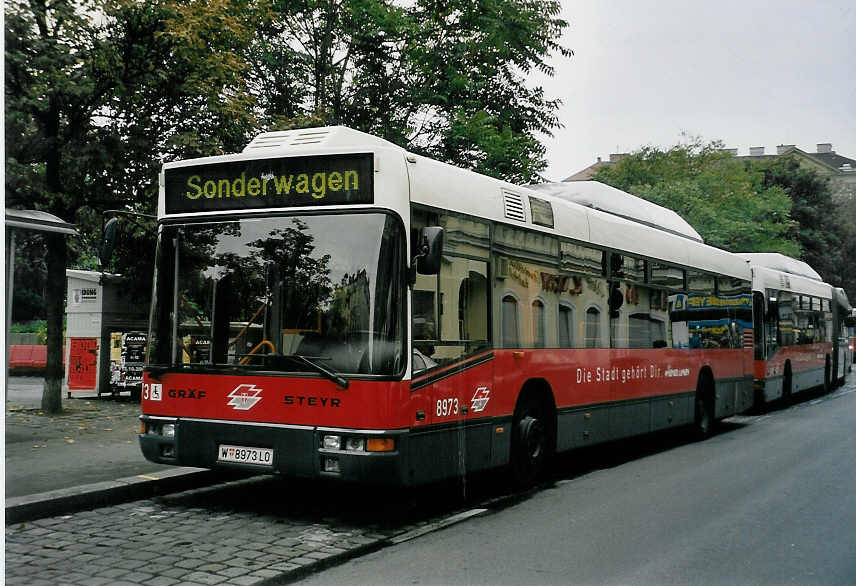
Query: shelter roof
x=39 y=221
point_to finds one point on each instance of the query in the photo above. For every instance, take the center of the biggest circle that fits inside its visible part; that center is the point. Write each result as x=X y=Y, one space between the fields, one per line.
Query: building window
x=510 y=322
x=539 y=323
x=566 y=326
x=592 y=336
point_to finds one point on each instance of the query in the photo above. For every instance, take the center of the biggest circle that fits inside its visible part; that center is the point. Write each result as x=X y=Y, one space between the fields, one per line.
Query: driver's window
x=450 y=310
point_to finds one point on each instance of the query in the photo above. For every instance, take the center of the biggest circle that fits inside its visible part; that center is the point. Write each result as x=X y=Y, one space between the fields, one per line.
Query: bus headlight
x=355 y=444
x=168 y=430
x=332 y=442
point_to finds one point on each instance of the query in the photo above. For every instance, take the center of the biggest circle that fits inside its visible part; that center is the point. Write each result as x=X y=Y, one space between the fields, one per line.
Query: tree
x=447 y=80
x=95 y=93
x=819 y=230
x=847 y=214
x=50 y=49
x=100 y=93
x=727 y=202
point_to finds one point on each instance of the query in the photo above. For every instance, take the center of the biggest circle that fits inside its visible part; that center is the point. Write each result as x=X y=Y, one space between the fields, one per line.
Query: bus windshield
x=313 y=293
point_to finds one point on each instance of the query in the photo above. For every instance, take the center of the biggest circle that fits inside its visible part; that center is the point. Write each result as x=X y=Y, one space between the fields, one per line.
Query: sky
x=749 y=73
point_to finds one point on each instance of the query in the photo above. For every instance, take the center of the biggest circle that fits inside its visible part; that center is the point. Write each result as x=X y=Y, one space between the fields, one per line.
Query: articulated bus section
x=395 y=320
x=799 y=319
x=453 y=420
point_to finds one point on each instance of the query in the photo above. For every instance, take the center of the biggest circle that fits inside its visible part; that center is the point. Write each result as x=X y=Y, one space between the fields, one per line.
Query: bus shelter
x=35 y=221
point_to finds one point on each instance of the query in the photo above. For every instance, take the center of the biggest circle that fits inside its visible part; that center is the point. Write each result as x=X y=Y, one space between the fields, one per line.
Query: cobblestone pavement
x=243 y=532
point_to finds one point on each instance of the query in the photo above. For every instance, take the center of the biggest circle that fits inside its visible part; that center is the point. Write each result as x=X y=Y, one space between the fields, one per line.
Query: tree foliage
x=447 y=80
x=726 y=201
x=745 y=205
x=99 y=93
x=96 y=92
x=819 y=230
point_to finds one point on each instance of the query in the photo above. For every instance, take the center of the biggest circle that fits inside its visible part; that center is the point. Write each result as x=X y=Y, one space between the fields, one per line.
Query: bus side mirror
x=108 y=240
x=428 y=258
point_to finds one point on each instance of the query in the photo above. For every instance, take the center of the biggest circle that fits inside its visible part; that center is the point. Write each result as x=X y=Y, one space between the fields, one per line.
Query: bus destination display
x=271 y=183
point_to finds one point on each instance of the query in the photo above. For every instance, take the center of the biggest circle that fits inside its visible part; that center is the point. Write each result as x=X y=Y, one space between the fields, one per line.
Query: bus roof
x=780 y=262
x=606 y=198
x=447 y=187
x=766 y=278
x=840 y=296
x=653 y=231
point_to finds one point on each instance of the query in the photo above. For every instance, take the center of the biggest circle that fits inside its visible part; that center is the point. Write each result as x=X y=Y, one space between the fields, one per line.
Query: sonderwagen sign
x=270 y=183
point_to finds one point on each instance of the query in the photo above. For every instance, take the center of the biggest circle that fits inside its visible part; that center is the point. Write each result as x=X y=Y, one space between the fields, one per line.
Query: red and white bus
x=844 y=324
x=796 y=314
x=327 y=304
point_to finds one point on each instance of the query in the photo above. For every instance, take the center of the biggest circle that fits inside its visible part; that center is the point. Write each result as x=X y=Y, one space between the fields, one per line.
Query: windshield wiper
x=320 y=369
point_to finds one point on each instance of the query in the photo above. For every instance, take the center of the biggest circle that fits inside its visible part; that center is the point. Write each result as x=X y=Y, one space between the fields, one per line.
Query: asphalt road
x=770 y=499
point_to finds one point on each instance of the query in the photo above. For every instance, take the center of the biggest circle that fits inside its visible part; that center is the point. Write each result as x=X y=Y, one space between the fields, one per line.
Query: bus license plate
x=245 y=455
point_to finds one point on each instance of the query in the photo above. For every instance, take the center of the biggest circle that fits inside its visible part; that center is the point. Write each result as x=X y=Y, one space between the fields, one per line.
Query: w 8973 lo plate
x=245 y=455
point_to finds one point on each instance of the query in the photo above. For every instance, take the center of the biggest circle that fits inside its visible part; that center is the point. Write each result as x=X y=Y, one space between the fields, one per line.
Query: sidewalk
x=241 y=532
x=90 y=448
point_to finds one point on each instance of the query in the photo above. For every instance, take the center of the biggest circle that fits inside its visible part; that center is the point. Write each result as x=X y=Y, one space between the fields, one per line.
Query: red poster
x=82 y=369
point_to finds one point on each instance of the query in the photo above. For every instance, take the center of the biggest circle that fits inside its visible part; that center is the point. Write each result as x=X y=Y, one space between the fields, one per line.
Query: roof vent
x=322 y=137
x=289 y=138
x=513 y=206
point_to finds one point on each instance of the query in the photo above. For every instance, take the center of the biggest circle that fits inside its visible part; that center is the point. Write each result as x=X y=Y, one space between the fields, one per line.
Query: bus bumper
x=298 y=451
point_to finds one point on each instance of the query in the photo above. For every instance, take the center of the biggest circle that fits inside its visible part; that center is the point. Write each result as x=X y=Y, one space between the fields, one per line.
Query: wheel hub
x=532 y=437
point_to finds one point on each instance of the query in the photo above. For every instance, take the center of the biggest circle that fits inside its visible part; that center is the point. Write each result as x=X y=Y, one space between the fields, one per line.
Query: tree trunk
x=55 y=300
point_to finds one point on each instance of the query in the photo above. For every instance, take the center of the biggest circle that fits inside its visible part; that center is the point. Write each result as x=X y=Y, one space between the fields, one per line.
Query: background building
x=838 y=169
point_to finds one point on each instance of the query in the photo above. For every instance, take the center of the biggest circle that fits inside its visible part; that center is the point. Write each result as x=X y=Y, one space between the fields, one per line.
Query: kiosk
x=99 y=315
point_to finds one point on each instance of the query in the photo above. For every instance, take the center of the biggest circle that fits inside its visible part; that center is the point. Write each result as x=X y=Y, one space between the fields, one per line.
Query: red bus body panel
x=279 y=400
x=487 y=389
x=807 y=363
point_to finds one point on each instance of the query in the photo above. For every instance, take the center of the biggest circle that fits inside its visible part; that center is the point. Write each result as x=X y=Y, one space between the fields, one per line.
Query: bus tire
x=705 y=417
x=532 y=443
x=787 y=384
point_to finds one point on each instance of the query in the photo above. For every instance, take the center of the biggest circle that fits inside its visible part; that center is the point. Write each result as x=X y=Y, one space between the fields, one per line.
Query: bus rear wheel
x=787 y=385
x=703 y=418
x=531 y=445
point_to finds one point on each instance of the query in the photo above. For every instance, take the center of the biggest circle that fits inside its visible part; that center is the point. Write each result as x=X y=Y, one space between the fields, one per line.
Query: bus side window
x=463 y=314
x=450 y=309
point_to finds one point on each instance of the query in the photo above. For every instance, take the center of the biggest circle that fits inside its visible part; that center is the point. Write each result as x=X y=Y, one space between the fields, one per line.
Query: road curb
x=112 y=492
